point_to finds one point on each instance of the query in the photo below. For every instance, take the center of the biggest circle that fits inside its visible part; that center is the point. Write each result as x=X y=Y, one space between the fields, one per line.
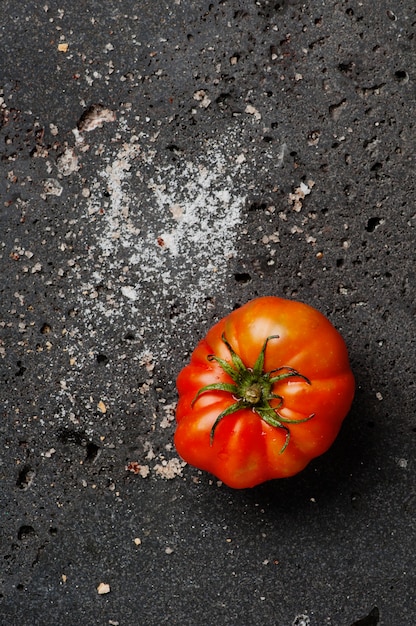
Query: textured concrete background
x=162 y=162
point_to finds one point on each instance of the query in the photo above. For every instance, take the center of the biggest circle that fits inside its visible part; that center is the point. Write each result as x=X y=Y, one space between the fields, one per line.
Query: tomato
x=265 y=392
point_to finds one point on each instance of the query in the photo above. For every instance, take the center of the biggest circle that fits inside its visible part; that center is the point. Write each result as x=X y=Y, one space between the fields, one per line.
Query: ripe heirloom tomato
x=265 y=392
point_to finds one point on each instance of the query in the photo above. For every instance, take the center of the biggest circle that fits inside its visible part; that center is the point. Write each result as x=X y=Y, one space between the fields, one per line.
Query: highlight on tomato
x=265 y=392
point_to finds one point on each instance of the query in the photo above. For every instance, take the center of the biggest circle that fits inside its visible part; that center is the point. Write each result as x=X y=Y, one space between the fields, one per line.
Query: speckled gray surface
x=162 y=163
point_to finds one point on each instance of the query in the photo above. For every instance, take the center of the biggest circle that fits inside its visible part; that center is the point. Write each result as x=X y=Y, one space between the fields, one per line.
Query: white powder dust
x=168 y=230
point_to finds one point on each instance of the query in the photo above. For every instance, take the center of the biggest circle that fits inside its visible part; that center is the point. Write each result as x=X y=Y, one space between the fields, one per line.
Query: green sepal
x=252 y=389
x=215 y=387
x=233 y=408
x=259 y=364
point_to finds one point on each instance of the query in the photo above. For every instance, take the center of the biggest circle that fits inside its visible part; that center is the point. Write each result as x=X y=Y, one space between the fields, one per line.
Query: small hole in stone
x=372 y=224
x=242 y=277
x=130 y=336
x=25 y=478
x=346 y=68
x=45 y=329
x=21 y=369
x=92 y=451
x=25 y=532
x=102 y=359
x=401 y=76
x=340 y=262
x=257 y=206
x=173 y=148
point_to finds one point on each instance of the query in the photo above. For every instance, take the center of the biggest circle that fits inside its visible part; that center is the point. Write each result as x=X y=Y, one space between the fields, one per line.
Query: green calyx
x=252 y=388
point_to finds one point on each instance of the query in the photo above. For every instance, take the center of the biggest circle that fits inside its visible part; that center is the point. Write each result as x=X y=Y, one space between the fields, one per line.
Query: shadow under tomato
x=346 y=468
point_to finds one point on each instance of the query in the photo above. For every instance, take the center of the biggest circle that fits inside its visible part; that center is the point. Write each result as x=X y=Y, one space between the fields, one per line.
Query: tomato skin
x=245 y=450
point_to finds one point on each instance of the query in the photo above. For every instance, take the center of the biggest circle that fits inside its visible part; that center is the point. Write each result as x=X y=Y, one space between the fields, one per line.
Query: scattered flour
x=167 y=230
x=170 y=469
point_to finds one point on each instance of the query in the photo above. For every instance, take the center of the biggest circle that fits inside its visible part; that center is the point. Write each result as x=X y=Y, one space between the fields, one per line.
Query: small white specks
x=52 y=187
x=301 y=620
x=103 y=588
x=67 y=162
x=203 y=99
x=129 y=292
x=253 y=111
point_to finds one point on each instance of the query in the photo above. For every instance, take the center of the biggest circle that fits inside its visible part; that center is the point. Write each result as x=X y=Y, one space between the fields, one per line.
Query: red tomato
x=265 y=392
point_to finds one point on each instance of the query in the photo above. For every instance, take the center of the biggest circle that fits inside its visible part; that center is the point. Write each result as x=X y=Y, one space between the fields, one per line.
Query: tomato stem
x=253 y=388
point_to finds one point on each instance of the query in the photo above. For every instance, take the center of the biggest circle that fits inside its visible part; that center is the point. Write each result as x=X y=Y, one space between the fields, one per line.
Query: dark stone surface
x=121 y=245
